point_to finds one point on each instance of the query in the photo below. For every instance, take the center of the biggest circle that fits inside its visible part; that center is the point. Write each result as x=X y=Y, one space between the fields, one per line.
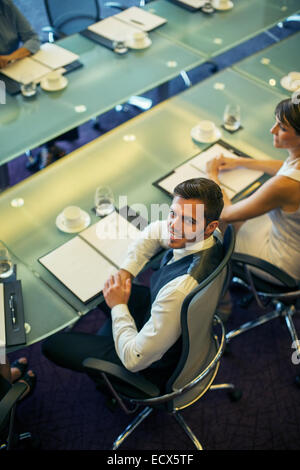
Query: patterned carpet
x=67 y=413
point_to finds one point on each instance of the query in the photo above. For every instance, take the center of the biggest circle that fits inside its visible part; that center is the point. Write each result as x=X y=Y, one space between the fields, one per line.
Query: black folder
x=14 y=313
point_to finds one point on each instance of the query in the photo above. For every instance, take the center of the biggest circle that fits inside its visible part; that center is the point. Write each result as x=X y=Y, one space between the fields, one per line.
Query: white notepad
x=54 y=56
x=236 y=179
x=85 y=262
x=186 y=172
x=232 y=181
x=113 y=29
x=79 y=267
x=26 y=70
x=112 y=236
x=141 y=19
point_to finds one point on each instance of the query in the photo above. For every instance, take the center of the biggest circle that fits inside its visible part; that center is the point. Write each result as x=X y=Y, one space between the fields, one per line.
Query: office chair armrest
x=10 y=399
x=116 y=5
x=264 y=266
x=93 y=365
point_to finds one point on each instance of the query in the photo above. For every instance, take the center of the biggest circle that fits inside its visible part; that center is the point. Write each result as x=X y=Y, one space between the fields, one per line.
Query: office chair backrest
x=198 y=343
x=72 y=16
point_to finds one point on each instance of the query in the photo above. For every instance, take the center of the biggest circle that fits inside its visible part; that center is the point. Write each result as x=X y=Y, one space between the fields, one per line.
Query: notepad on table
x=113 y=29
x=26 y=70
x=85 y=262
x=232 y=181
x=140 y=18
x=54 y=56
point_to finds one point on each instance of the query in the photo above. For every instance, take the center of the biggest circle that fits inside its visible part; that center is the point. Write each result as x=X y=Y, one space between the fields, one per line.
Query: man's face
x=186 y=222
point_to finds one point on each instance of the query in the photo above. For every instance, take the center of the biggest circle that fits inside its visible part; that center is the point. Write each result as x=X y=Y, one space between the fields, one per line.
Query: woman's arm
x=275 y=193
x=222 y=163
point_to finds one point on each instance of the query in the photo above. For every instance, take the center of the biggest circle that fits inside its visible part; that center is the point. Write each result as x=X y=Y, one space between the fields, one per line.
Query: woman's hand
x=117 y=290
x=220 y=163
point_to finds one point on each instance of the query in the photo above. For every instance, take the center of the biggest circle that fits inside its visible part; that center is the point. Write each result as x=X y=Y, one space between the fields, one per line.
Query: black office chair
x=284 y=295
x=70 y=16
x=198 y=364
x=9 y=396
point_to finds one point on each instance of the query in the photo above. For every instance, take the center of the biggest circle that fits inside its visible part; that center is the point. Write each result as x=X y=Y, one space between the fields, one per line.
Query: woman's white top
x=275 y=236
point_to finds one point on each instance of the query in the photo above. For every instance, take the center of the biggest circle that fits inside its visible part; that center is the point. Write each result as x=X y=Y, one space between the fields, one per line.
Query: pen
x=249 y=190
x=136 y=21
x=12 y=309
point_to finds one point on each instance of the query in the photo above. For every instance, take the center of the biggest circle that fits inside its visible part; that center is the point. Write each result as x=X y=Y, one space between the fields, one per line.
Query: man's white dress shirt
x=138 y=350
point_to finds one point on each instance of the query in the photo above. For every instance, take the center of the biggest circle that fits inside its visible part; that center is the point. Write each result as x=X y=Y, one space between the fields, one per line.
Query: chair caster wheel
x=235 y=395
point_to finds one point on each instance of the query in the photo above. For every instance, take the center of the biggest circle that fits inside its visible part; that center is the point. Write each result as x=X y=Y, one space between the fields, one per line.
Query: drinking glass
x=104 y=201
x=28 y=86
x=6 y=264
x=232 y=117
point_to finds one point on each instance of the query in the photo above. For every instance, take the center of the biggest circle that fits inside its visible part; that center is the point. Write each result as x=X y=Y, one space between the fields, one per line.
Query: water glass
x=232 y=117
x=6 y=264
x=28 y=86
x=104 y=201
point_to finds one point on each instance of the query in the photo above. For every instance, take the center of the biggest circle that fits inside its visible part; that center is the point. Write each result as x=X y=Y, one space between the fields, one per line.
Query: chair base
x=282 y=311
x=234 y=394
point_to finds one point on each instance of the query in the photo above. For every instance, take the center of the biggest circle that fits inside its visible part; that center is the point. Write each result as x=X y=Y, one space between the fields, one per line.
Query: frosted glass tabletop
x=211 y=35
x=105 y=80
x=130 y=159
x=270 y=66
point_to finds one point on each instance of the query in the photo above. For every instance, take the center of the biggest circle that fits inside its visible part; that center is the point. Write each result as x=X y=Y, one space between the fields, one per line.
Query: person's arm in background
x=26 y=35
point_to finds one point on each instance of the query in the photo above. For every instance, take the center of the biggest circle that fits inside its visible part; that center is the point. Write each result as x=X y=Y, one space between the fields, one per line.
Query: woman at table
x=268 y=221
x=17 y=38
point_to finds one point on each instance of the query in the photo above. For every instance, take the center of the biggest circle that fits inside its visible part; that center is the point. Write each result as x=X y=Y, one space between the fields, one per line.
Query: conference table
x=130 y=159
x=269 y=66
x=105 y=80
x=211 y=35
x=186 y=41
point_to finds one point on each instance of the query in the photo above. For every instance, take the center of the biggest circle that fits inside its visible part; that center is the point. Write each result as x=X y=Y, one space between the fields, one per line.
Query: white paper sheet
x=26 y=70
x=185 y=172
x=112 y=236
x=54 y=56
x=237 y=179
x=142 y=19
x=113 y=29
x=79 y=267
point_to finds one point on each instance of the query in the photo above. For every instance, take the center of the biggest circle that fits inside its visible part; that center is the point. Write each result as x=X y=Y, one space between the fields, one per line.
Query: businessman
x=143 y=332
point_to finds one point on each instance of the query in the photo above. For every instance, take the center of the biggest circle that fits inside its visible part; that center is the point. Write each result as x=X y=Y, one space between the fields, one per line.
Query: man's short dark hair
x=207 y=191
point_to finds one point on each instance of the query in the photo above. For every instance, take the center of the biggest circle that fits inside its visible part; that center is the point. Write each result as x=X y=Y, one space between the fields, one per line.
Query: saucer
x=60 y=86
x=132 y=45
x=195 y=136
x=228 y=7
x=284 y=82
x=86 y=219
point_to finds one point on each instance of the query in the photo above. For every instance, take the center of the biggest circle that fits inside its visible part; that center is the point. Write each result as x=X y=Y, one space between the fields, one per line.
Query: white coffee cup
x=139 y=38
x=54 y=79
x=72 y=216
x=222 y=4
x=206 y=130
x=293 y=80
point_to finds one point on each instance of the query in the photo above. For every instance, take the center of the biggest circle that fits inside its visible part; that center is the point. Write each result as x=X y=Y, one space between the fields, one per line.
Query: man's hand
x=117 y=290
